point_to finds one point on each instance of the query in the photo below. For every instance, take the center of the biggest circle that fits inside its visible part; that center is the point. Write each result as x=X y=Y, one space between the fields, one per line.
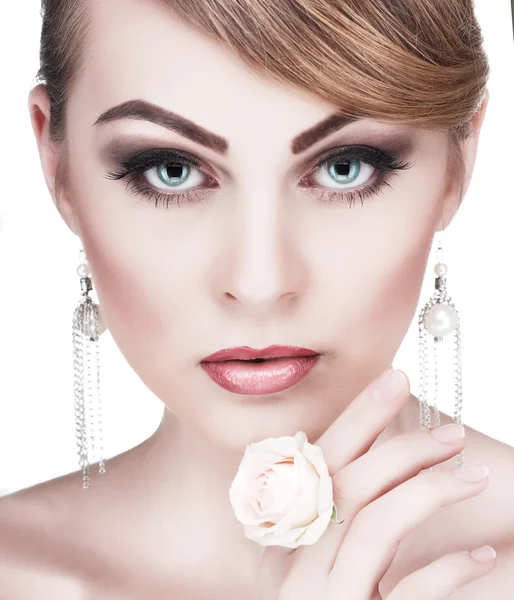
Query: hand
x=382 y=493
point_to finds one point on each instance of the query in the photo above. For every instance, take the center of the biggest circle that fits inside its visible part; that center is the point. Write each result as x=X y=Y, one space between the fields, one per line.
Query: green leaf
x=334 y=513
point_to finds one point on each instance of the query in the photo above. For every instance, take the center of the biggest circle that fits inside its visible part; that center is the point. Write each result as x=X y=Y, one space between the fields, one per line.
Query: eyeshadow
x=399 y=143
x=120 y=148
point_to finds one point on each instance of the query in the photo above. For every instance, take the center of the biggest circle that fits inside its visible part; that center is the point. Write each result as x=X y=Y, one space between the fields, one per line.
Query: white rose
x=282 y=492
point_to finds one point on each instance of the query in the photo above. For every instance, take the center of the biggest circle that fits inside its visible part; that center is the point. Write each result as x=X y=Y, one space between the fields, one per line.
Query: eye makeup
x=132 y=168
x=385 y=165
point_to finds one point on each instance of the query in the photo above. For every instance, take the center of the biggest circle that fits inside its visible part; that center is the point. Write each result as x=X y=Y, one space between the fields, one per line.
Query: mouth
x=244 y=370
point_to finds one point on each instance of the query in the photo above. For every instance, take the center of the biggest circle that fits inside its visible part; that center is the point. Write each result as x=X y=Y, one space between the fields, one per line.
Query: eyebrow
x=332 y=123
x=147 y=111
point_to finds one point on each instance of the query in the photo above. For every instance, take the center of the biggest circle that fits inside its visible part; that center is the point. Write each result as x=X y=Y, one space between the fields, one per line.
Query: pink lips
x=286 y=366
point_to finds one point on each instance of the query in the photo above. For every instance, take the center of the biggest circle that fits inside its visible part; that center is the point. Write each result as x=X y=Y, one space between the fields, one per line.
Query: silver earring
x=438 y=320
x=87 y=328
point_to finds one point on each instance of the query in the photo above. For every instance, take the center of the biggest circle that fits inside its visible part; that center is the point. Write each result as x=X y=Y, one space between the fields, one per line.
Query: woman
x=316 y=149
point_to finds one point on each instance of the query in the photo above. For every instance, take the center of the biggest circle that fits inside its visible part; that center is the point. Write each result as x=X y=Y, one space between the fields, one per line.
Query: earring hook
x=440 y=251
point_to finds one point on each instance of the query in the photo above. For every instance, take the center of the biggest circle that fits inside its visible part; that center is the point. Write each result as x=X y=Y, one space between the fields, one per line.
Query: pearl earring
x=87 y=327
x=439 y=318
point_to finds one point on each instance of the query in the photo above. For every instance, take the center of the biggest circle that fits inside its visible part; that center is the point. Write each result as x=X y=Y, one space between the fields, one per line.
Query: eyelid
x=124 y=153
x=152 y=157
x=397 y=144
x=356 y=152
x=382 y=162
x=148 y=159
x=390 y=165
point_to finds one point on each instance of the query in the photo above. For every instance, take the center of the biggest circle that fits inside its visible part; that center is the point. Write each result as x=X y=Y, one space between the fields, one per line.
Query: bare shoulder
x=38 y=542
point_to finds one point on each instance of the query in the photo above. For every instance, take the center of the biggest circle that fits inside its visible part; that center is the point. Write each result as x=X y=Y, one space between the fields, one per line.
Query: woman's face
x=262 y=247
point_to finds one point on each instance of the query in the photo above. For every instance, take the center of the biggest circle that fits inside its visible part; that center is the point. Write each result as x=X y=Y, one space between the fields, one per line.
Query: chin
x=235 y=424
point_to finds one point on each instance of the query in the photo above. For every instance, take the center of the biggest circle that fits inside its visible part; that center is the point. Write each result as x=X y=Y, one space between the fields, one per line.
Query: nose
x=262 y=269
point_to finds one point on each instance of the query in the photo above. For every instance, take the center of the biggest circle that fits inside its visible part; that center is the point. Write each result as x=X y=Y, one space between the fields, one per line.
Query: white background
x=39 y=286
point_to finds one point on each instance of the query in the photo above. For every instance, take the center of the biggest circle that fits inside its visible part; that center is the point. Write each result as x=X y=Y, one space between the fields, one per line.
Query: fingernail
x=473 y=472
x=448 y=434
x=390 y=384
x=484 y=554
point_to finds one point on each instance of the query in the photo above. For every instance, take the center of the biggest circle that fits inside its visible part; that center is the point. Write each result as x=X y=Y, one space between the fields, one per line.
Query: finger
x=374 y=534
x=370 y=476
x=386 y=466
x=357 y=428
x=442 y=577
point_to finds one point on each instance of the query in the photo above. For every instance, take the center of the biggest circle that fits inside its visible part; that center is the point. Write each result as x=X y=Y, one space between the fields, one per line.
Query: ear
x=50 y=152
x=454 y=193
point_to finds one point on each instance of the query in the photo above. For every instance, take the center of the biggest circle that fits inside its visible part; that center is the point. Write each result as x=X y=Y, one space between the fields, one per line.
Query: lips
x=245 y=370
x=247 y=353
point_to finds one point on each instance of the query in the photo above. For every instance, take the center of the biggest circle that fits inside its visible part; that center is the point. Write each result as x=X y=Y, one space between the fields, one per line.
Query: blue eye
x=165 y=176
x=348 y=170
x=344 y=172
x=173 y=174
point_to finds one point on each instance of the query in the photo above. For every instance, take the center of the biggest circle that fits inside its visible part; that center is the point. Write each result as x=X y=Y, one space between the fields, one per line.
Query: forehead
x=139 y=49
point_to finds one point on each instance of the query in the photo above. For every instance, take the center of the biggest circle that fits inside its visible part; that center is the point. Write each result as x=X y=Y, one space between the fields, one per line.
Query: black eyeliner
x=368 y=154
x=133 y=167
x=150 y=158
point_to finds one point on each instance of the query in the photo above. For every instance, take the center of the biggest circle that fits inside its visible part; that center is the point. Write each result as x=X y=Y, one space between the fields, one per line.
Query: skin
x=257 y=261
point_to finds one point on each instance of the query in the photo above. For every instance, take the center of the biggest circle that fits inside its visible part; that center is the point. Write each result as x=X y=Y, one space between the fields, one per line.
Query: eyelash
x=134 y=168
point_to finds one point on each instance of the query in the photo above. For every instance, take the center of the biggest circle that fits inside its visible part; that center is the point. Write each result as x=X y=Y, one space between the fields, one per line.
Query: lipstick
x=245 y=370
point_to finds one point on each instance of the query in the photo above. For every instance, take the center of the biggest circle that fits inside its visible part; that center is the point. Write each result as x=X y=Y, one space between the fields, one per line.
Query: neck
x=179 y=480
x=185 y=482
x=178 y=450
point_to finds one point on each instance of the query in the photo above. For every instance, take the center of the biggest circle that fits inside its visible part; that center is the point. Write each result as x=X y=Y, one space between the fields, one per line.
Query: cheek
x=369 y=317
x=143 y=299
x=122 y=291
x=391 y=307
x=387 y=289
x=373 y=271
x=140 y=286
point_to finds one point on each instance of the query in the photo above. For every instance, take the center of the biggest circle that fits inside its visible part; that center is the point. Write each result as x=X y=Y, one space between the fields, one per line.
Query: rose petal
x=314 y=455
x=315 y=530
x=245 y=512
x=254 y=465
x=241 y=497
x=283 y=492
x=326 y=495
x=300 y=438
x=265 y=529
x=238 y=484
x=306 y=509
x=287 y=539
x=284 y=489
